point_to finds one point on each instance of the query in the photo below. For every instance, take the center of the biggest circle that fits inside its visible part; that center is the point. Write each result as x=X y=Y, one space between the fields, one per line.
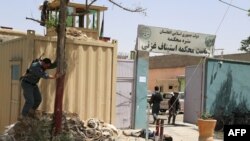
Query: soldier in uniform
x=155 y=100
x=174 y=106
x=29 y=82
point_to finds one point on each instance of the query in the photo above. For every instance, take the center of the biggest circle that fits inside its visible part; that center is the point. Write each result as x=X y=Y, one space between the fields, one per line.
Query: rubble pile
x=76 y=34
x=40 y=128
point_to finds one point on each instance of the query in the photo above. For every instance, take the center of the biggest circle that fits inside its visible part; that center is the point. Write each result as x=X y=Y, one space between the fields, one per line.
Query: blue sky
x=200 y=16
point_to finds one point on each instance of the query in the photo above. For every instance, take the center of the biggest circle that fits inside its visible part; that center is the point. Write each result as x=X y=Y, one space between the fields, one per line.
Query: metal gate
x=193 y=93
x=124 y=92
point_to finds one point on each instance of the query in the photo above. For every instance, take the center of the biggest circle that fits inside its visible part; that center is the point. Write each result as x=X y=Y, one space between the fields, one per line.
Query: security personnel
x=156 y=98
x=174 y=106
x=29 y=82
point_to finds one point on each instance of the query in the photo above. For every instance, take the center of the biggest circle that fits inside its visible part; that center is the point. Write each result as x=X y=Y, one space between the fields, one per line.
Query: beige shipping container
x=89 y=88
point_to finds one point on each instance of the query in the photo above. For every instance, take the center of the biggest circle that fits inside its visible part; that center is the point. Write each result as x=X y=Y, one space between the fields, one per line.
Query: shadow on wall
x=229 y=106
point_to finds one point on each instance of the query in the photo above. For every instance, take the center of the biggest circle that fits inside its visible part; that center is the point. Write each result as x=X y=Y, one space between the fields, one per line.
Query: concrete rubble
x=40 y=128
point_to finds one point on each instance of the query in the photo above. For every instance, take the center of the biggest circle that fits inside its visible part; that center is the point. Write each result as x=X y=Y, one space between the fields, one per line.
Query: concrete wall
x=165 y=77
x=170 y=66
x=140 y=97
x=227 y=89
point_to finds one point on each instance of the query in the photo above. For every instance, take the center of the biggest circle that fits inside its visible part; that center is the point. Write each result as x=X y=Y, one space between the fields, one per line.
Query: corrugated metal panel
x=124 y=104
x=125 y=69
x=90 y=77
x=193 y=91
x=124 y=92
x=9 y=51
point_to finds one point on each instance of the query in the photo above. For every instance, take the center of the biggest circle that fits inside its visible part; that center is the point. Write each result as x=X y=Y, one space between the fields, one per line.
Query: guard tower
x=79 y=18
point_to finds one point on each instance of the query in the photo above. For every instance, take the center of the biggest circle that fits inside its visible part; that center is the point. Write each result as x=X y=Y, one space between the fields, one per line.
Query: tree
x=61 y=58
x=245 y=44
x=120 y=5
x=44 y=17
x=61 y=49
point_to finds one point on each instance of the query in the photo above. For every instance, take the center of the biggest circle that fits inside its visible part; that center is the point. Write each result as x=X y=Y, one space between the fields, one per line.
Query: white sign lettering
x=236 y=132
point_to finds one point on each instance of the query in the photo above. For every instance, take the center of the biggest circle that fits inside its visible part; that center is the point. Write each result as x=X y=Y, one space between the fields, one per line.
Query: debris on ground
x=76 y=34
x=40 y=128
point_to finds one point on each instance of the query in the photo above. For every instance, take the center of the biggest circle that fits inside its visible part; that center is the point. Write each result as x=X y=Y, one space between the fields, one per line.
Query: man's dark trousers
x=32 y=97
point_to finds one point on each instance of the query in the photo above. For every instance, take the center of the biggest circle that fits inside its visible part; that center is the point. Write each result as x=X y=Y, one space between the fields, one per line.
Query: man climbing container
x=29 y=82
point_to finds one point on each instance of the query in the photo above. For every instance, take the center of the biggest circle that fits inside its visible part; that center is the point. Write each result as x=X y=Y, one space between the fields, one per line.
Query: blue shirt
x=35 y=72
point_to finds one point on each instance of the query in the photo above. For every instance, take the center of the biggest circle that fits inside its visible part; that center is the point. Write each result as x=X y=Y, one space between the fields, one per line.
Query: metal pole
x=157 y=129
x=161 y=129
x=148 y=112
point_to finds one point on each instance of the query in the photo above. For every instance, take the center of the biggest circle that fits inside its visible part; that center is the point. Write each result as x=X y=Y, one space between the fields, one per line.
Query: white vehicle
x=166 y=97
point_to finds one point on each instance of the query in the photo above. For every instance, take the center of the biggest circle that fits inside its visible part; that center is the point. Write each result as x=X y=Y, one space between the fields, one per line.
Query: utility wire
x=233 y=5
x=223 y=18
x=202 y=60
x=35 y=2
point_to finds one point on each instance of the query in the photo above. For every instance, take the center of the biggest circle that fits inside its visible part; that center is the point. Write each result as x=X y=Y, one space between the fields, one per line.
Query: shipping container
x=89 y=88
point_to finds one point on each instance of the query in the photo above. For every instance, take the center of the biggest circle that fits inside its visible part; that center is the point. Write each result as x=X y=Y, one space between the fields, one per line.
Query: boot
x=169 y=119
x=31 y=113
x=173 y=120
